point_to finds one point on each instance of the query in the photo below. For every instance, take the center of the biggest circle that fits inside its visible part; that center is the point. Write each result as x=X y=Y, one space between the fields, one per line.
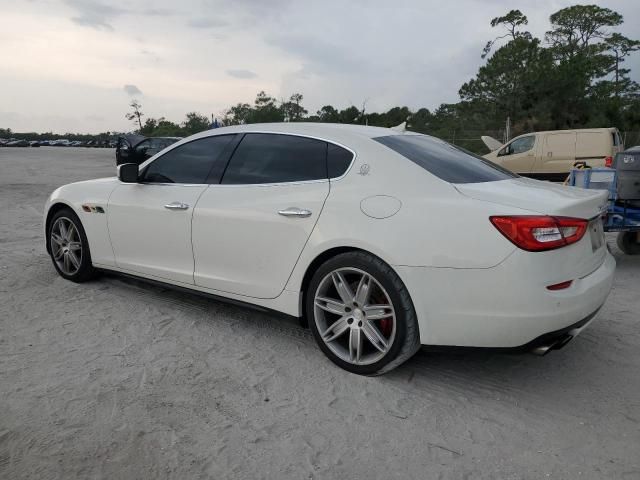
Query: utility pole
x=507 y=130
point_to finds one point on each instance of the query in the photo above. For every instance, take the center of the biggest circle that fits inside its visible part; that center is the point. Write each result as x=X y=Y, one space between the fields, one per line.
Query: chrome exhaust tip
x=541 y=350
x=557 y=344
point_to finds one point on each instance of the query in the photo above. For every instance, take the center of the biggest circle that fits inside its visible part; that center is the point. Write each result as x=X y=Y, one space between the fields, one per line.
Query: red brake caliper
x=385 y=324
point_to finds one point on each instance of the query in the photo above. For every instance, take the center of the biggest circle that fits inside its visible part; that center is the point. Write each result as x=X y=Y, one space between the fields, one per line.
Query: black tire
x=86 y=271
x=629 y=242
x=406 y=341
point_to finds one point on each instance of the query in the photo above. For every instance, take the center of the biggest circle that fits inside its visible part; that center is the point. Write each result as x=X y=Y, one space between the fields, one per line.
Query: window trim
x=224 y=158
x=271 y=132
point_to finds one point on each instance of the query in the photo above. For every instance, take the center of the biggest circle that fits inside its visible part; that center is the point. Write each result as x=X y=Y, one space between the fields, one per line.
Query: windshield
x=447 y=162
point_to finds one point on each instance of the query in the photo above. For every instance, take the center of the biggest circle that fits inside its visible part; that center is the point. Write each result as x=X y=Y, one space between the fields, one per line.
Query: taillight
x=608 y=162
x=538 y=233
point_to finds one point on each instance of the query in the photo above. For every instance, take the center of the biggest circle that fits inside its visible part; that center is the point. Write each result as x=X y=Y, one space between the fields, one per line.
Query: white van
x=550 y=155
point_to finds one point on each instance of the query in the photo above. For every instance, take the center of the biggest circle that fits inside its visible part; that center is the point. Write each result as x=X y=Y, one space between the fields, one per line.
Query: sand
x=119 y=379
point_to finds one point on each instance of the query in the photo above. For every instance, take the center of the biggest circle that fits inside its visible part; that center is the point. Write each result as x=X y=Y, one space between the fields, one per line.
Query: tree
x=574 y=28
x=150 y=125
x=512 y=20
x=513 y=83
x=239 y=114
x=328 y=114
x=621 y=47
x=265 y=110
x=195 y=123
x=136 y=115
x=292 y=110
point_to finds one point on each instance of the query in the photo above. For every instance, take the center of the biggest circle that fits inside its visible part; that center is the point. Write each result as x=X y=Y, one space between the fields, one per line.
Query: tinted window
x=338 y=160
x=188 y=163
x=271 y=158
x=445 y=161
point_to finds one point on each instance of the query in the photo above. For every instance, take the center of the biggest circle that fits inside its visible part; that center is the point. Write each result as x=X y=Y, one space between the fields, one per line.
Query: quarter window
x=273 y=158
x=338 y=160
x=187 y=163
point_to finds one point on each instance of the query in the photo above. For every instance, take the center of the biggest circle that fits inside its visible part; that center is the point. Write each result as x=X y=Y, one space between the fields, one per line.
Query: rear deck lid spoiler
x=539 y=197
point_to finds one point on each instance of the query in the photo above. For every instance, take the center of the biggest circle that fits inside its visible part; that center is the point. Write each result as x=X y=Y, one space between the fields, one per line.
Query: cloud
x=92 y=13
x=207 y=23
x=240 y=73
x=319 y=56
x=132 y=90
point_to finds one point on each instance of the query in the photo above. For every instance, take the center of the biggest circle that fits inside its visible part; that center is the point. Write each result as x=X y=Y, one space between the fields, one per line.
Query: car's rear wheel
x=361 y=314
x=69 y=247
x=629 y=242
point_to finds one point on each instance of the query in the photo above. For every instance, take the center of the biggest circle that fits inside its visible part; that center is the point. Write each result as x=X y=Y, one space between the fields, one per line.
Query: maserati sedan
x=379 y=240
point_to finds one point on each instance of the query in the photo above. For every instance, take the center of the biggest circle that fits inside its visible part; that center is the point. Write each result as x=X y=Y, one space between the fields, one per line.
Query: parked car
x=134 y=148
x=17 y=143
x=381 y=240
x=34 y=143
x=551 y=155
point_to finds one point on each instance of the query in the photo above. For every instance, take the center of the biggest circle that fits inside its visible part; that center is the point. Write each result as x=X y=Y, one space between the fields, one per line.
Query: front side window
x=143 y=146
x=187 y=163
x=447 y=162
x=273 y=158
x=519 y=145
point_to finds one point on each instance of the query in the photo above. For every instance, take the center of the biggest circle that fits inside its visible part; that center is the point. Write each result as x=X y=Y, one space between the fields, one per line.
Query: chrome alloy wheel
x=355 y=316
x=66 y=246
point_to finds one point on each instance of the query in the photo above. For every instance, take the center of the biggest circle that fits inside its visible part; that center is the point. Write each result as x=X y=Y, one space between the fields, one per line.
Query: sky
x=75 y=65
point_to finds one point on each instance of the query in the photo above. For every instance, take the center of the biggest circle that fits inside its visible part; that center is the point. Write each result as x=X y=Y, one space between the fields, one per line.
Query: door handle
x=295 y=212
x=176 y=206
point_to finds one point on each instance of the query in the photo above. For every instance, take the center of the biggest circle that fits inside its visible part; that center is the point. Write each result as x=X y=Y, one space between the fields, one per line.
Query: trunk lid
x=572 y=262
x=539 y=197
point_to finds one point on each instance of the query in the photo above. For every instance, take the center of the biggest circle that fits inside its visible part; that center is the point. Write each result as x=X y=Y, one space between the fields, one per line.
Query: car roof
x=310 y=129
x=583 y=130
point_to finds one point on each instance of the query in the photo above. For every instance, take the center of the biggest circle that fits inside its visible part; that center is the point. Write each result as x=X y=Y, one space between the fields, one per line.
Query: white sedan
x=381 y=240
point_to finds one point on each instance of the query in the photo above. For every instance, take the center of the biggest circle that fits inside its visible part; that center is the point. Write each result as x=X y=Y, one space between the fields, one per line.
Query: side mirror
x=128 y=173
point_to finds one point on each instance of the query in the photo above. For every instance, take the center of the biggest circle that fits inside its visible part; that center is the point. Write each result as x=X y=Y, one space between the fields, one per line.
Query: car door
x=519 y=155
x=249 y=230
x=150 y=221
x=558 y=153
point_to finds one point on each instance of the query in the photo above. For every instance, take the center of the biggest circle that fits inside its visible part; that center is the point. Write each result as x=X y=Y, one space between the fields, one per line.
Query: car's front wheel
x=69 y=247
x=361 y=314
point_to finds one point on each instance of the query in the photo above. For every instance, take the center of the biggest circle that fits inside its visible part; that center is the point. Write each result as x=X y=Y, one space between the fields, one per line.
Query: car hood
x=540 y=197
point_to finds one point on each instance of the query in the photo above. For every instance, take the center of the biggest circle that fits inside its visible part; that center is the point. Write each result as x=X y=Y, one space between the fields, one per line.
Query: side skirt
x=210 y=296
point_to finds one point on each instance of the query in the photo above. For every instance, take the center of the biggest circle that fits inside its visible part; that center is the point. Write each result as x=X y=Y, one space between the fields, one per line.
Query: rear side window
x=273 y=158
x=447 y=162
x=616 y=139
x=187 y=163
x=338 y=160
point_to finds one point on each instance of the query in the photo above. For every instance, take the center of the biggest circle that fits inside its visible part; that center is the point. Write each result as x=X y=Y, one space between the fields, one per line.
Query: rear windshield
x=447 y=162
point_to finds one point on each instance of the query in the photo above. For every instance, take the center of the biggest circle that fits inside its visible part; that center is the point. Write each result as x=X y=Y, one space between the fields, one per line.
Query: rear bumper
x=558 y=339
x=501 y=307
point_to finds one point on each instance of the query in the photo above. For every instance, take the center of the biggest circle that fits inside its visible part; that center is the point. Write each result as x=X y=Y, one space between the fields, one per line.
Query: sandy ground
x=119 y=379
